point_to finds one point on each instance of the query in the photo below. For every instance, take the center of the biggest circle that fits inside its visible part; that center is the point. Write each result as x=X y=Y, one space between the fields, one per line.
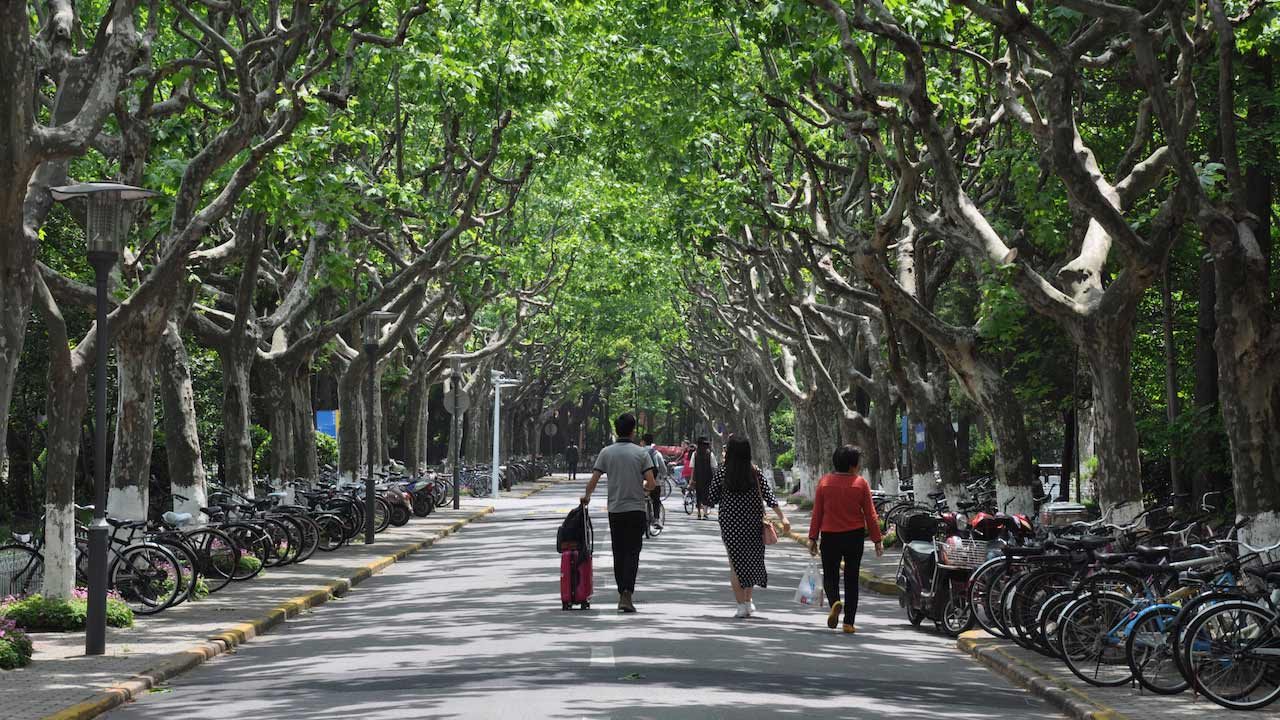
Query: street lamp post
x=106 y=224
x=455 y=437
x=372 y=326
x=499 y=381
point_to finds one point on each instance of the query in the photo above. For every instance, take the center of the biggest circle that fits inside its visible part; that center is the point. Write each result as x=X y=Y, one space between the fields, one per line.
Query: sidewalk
x=63 y=683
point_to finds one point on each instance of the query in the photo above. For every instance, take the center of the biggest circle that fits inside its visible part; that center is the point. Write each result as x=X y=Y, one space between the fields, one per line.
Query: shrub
x=39 y=614
x=890 y=539
x=787 y=459
x=326 y=449
x=15 y=645
x=249 y=564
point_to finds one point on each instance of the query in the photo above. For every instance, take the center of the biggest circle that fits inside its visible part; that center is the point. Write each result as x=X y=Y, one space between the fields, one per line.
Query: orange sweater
x=843 y=503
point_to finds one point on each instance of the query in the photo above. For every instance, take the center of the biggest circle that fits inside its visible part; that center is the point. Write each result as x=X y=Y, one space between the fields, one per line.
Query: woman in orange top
x=844 y=515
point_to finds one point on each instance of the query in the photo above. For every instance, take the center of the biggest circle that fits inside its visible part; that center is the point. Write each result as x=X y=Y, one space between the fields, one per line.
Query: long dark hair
x=702 y=464
x=739 y=473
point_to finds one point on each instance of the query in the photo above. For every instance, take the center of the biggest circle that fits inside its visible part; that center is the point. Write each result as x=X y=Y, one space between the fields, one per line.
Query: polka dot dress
x=740 y=516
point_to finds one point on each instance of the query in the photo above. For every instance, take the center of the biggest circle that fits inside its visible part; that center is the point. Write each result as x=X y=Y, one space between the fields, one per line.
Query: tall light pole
x=499 y=381
x=455 y=437
x=106 y=224
x=372 y=326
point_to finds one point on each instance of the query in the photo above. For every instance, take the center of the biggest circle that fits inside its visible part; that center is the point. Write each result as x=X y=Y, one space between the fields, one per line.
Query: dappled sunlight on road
x=473 y=628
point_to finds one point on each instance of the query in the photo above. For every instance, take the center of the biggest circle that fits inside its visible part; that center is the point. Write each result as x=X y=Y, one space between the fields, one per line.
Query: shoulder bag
x=768 y=534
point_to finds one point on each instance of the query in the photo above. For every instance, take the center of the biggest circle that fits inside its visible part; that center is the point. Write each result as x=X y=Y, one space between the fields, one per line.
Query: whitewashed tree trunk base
x=1015 y=500
x=59 y=551
x=127 y=503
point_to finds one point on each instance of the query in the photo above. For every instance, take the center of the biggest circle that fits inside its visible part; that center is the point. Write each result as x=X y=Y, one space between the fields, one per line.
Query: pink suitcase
x=575 y=579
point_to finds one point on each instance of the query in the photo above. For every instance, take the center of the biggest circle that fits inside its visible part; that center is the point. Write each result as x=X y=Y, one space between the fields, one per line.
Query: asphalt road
x=472 y=628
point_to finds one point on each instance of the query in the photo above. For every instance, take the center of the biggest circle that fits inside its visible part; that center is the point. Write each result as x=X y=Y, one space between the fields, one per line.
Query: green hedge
x=38 y=614
x=15 y=645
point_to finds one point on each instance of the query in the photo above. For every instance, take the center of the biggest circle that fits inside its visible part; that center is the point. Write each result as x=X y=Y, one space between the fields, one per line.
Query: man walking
x=630 y=471
x=659 y=475
x=571 y=459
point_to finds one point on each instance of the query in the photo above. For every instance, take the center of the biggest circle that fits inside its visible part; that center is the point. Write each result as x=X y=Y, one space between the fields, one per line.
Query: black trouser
x=655 y=497
x=626 y=535
x=846 y=547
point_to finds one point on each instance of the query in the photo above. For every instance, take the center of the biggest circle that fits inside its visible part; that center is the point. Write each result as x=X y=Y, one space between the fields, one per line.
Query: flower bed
x=37 y=613
x=15 y=645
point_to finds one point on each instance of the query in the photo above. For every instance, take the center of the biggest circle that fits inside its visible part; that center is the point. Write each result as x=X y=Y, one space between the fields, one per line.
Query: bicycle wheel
x=332 y=533
x=1149 y=649
x=146 y=577
x=381 y=515
x=21 y=571
x=1092 y=633
x=310 y=535
x=657 y=521
x=957 y=613
x=979 y=590
x=1026 y=602
x=217 y=556
x=188 y=568
x=689 y=502
x=254 y=546
x=666 y=488
x=280 y=543
x=1223 y=649
x=1049 y=620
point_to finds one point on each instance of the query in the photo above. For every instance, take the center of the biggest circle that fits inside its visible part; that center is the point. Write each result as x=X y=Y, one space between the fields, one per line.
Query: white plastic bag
x=810 y=590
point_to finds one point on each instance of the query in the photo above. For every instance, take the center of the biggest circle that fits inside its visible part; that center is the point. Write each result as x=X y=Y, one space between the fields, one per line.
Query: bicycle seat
x=1080 y=544
x=1160 y=552
x=1023 y=551
x=1049 y=560
x=937 y=494
x=1113 y=558
x=24 y=538
x=176 y=518
x=117 y=523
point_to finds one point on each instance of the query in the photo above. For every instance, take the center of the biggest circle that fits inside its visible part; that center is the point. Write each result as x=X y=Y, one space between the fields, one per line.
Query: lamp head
x=107 y=222
x=373 y=323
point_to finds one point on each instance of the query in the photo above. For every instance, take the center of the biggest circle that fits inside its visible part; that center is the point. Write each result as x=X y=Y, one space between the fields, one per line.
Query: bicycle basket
x=958 y=552
x=918 y=527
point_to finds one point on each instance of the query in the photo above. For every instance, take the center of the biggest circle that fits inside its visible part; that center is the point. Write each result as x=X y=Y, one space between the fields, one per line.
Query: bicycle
x=654 y=520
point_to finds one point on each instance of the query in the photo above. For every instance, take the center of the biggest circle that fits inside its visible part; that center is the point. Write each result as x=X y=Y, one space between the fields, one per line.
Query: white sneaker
x=751 y=609
x=742 y=611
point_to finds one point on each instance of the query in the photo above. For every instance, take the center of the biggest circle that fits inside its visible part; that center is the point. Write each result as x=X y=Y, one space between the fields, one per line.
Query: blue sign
x=919 y=437
x=327 y=422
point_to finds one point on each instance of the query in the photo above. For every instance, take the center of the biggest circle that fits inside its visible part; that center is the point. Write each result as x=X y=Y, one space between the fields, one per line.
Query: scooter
x=933 y=576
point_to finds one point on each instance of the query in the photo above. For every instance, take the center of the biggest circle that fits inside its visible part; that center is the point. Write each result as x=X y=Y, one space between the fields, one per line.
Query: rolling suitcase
x=575 y=579
x=575 y=541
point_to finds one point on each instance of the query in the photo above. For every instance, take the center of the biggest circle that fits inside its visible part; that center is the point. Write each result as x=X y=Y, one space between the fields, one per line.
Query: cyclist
x=660 y=474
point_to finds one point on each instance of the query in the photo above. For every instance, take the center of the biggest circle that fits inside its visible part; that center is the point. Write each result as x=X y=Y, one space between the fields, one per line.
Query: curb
x=544 y=484
x=866 y=578
x=221 y=642
x=1053 y=691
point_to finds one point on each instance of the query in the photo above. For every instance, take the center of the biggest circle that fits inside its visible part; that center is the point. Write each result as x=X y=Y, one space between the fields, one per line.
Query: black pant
x=626 y=535
x=655 y=497
x=847 y=547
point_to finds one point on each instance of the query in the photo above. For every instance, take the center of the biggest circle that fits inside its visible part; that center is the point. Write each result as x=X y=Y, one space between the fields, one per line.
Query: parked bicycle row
x=1162 y=604
x=161 y=563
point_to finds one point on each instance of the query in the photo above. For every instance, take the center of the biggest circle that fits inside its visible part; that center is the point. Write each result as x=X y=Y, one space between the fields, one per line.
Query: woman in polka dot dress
x=740 y=490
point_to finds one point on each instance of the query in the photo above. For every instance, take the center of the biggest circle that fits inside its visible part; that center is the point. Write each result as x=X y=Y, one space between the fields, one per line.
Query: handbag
x=768 y=534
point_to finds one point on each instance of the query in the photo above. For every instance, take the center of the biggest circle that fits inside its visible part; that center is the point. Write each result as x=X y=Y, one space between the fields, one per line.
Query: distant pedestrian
x=630 y=471
x=571 y=460
x=740 y=490
x=843 y=516
x=686 y=461
x=659 y=475
x=704 y=468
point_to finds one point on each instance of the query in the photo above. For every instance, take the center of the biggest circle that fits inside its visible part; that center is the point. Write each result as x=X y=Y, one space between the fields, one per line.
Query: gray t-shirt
x=625 y=462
